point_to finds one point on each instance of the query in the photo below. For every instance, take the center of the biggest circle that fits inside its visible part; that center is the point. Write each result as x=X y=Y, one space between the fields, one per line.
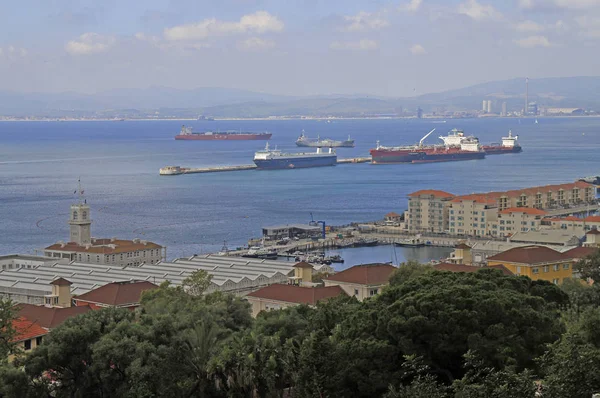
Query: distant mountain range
x=226 y=102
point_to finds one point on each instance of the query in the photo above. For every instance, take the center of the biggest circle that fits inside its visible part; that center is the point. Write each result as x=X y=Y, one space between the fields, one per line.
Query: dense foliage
x=429 y=334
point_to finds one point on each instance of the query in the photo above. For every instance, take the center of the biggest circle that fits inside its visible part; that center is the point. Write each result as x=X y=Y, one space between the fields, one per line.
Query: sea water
x=118 y=163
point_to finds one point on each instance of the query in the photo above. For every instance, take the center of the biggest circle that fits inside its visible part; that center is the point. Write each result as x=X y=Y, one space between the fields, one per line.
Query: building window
x=546 y=268
x=566 y=266
x=555 y=281
x=556 y=267
x=27 y=345
x=536 y=271
x=356 y=292
x=373 y=292
x=518 y=270
x=38 y=340
x=74 y=215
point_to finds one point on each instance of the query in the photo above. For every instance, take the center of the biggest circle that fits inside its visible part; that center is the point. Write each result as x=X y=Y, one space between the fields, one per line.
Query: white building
x=82 y=247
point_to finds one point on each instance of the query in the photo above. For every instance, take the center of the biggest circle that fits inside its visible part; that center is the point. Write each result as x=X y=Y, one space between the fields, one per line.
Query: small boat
x=536 y=121
x=336 y=258
x=410 y=243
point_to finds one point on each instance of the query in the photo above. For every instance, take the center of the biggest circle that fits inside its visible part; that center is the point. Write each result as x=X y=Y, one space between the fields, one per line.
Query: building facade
x=428 y=211
x=471 y=215
x=535 y=262
x=362 y=281
x=83 y=247
x=516 y=219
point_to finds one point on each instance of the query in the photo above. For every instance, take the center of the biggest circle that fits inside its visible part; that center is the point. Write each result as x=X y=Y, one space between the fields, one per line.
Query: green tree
x=570 y=366
x=440 y=316
x=589 y=267
x=7 y=332
x=482 y=381
x=417 y=382
x=408 y=271
x=197 y=282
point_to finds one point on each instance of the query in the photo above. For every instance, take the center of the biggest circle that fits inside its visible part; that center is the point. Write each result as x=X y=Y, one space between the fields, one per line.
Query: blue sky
x=391 y=48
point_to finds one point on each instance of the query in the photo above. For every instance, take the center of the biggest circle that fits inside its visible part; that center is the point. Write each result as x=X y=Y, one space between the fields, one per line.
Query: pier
x=177 y=170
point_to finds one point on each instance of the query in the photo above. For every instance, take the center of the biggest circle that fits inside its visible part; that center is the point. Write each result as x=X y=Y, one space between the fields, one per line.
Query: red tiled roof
x=593 y=232
x=527 y=210
x=117 y=293
x=477 y=198
x=541 y=189
x=434 y=192
x=367 y=274
x=462 y=246
x=303 y=264
x=26 y=329
x=47 y=317
x=105 y=246
x=569 y=218
x=580 y=252
x=592 y=219
x=297 y=294
x=469 y=268
x=530 y=255
x=392 y=215
x=61 y=282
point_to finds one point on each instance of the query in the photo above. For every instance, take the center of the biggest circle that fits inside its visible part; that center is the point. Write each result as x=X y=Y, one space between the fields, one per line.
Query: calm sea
x=118 y=162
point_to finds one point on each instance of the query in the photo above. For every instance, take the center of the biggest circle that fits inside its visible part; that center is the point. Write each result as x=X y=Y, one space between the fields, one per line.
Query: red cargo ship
x=509 y=145
x=187 y=134
x=468 y=149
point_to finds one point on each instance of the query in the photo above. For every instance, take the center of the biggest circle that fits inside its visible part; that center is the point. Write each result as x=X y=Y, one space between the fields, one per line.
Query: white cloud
x=477 y=11
x=527 y=4
x=529 y=26
x=533 y=41
x=418 y=49
x=411 y=6
x=577 y=4
x=365 y=21
x=590 y=26
x=255 y=44
x=554 y=4
x=13 y=52
x=361 y=45
x=259 y=22
x=89 y=43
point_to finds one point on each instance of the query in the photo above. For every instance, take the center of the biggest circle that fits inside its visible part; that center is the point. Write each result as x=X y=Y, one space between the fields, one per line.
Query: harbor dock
x=177 y=170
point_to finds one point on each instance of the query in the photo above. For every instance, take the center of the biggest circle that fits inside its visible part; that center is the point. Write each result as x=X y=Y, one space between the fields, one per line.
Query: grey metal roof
x=228 y=273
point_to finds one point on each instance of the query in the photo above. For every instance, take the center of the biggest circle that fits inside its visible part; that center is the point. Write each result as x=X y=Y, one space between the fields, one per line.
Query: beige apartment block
x=428 y=211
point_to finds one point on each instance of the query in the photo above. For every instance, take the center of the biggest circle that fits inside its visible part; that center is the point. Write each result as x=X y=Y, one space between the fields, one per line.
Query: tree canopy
x=429 y=334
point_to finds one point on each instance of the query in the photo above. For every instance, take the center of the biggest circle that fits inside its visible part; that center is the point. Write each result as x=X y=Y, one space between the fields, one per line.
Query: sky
x=293 y=47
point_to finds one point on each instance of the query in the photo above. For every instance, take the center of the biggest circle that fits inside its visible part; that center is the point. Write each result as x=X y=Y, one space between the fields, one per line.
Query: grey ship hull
x=326 y=144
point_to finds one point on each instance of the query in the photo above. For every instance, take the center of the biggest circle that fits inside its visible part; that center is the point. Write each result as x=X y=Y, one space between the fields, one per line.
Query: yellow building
x=536 y=262
x=362 y=281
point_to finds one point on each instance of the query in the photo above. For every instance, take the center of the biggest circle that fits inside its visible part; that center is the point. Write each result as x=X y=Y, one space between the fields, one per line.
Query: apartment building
x=428 y=211
x=516 y=219
x=471 y=214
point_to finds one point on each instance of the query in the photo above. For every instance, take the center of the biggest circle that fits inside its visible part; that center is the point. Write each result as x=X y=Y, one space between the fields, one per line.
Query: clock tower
x=80 y=222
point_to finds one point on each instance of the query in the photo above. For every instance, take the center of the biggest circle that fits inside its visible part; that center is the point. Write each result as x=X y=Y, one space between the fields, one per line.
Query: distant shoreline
x=284 y=118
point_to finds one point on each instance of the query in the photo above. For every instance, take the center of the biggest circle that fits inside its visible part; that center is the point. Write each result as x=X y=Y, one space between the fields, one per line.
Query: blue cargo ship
x=272 y=159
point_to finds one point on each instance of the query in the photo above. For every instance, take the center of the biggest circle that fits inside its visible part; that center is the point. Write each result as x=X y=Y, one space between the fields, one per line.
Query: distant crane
x=316 y=223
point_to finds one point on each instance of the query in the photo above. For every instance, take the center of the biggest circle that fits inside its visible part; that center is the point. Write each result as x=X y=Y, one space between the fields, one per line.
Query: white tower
x=80 y=221
x=489 y=106
x=484 y=105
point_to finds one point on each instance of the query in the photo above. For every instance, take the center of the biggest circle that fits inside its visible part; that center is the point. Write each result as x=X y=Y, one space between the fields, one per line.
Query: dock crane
x=423 y=139
x=316 y=223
